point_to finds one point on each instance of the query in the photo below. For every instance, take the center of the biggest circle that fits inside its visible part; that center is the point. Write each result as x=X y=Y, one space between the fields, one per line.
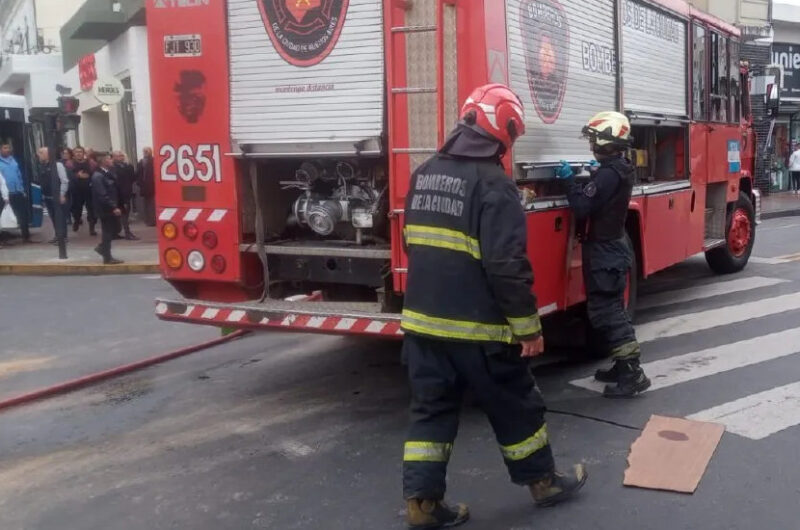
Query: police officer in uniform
x=607 y=254
x=469 y=316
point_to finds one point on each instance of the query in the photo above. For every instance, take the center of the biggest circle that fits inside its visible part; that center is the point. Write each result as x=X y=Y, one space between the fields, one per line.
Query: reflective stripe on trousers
x=629 y=350
x=427 y=452
x=525 y=448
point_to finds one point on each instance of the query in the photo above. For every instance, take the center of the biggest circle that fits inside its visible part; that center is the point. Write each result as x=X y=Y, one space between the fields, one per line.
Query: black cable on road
x=592 y=418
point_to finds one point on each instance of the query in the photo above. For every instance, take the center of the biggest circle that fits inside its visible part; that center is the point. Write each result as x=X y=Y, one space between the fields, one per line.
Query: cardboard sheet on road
x=672 y=454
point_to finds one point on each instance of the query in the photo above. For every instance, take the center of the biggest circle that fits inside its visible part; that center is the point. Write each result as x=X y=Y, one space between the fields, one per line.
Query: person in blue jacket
x=17 y=196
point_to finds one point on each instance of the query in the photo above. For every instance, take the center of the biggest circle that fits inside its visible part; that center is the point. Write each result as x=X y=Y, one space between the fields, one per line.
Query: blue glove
x=564 y=171
x=592 y=166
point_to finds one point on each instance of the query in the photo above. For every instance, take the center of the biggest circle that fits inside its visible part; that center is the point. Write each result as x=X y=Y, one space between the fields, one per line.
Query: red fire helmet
x=495 y=111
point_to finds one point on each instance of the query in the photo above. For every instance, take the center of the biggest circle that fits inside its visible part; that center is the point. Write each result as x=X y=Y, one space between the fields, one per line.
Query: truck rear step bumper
x=336 y=318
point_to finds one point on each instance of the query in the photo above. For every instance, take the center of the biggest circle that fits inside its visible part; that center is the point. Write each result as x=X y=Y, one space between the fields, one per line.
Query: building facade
x=106 y=42
x=30 y=48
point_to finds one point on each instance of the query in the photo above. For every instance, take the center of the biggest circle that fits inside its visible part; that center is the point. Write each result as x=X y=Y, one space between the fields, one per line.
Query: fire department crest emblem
x=304 y=31
x=545 y=35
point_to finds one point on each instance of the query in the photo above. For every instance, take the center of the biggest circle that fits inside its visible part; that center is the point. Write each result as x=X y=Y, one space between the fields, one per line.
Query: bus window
x=735 y=86
x=719 y=78
x=699 y=61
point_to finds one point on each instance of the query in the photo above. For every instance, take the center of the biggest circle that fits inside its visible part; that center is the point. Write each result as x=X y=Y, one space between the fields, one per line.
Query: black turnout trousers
x=500 y=380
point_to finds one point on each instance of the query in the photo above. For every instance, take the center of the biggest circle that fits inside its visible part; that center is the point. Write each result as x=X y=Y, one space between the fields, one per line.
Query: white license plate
x=183 y=46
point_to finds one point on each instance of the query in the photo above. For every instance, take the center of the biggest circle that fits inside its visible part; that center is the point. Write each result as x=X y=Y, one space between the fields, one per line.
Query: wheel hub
x=740 y=233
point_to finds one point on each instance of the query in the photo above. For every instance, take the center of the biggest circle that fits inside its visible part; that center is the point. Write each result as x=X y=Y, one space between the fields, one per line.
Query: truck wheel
x=734 y=255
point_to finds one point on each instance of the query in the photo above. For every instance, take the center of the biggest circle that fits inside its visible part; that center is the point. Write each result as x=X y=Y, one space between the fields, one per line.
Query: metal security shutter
x=654 y=59
x=327 y=108
x=567 y=44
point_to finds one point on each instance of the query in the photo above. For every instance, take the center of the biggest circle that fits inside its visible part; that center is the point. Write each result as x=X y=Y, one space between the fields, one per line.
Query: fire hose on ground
x=97 y=377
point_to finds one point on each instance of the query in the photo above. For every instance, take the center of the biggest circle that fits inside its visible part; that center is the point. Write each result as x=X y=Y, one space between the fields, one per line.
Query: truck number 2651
x=186 y=163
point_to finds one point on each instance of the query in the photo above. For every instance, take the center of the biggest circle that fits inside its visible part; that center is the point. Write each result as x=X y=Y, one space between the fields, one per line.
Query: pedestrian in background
x=81 y=191
x=66 y=159
x=794 y=169
x=7 y=218
x=107 y=205
x=55 y=189
x=91 y=156
x=17 y=197
x=126 y=176
x=147 y=186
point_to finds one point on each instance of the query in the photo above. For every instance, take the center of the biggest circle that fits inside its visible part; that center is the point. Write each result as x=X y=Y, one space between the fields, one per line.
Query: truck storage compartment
x=323 y=225
x=306 y=77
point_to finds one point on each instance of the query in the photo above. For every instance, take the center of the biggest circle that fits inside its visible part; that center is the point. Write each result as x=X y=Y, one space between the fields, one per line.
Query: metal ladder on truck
x=422 y=75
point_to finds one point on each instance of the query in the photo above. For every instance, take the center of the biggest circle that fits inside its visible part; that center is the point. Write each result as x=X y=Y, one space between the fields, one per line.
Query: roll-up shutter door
x=278 y=101
x=654 y=60
x=563 y=66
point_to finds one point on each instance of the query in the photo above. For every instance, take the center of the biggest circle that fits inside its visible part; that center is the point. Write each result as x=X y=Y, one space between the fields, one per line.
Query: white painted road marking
x=767 y=261
x=688 y=367
x=706 y=291
x=759 y=415
x=723 y=316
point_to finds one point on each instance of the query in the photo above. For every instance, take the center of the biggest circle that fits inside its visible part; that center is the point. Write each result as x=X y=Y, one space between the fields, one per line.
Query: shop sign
x=788 y=56
x=109 y=91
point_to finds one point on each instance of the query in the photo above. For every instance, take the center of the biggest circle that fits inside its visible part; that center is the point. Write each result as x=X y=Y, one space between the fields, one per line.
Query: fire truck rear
x=286 y=132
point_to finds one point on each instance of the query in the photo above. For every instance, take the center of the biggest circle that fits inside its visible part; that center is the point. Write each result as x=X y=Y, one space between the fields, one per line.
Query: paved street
x=304 y=432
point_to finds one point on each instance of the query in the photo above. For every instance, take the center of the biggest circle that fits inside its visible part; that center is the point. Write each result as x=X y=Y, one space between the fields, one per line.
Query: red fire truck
x=286 y=131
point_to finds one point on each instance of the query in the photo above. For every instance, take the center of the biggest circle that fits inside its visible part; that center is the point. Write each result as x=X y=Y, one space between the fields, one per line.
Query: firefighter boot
x=558 y=487
x=428 y=514
x=629 y=382
x=607 y=375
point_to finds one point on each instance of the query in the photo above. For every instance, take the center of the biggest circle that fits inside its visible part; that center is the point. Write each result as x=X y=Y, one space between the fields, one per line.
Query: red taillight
x=190 y=231
x=218 y=264
x=210 y=239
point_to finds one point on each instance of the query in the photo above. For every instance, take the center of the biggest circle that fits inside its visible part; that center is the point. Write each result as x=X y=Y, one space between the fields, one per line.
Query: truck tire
x=741 y=235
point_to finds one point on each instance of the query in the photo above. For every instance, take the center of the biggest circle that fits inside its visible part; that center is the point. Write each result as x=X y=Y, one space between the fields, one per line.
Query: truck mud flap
x=313 y=317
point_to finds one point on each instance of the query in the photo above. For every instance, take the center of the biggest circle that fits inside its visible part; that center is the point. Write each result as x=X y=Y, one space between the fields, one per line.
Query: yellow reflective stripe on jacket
x=524 y=326
x=427 y=452
x=432 y=236
x=455 y=329
x=526 y=448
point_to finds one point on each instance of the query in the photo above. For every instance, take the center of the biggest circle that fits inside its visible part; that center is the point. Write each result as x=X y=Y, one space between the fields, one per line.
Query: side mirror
x=773 y=99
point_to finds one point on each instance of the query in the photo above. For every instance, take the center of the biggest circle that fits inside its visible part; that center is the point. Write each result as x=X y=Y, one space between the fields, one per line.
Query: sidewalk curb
x=793 y=212
x=66 y=269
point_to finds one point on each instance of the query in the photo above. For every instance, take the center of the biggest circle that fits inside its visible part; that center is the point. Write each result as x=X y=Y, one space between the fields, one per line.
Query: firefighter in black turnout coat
x=607 y=254
x=469 y=315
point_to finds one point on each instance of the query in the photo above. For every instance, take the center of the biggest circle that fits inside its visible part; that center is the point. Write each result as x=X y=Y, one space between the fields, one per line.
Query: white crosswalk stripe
x=690 y=366
x=706 y=291
x=756 y=416
x=723 y=316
